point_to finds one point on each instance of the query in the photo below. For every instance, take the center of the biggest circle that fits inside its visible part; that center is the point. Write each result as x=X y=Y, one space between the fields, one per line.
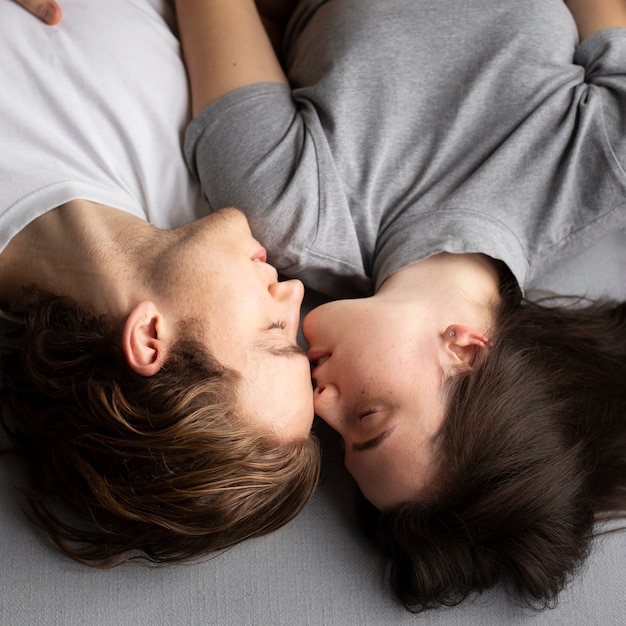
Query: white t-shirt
x=93 y=108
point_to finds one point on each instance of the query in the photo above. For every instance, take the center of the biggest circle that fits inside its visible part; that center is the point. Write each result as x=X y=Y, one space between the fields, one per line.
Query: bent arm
x=225 y=47
x=592 y=16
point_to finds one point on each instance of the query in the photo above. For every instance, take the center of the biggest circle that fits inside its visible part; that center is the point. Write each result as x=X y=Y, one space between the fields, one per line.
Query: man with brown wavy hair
x=157 y=390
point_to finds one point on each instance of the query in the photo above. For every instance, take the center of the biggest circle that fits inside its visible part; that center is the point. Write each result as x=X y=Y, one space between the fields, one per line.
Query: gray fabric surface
x=317 y=570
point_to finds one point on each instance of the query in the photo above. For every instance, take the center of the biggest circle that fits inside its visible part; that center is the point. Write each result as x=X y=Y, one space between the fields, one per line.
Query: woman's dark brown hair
x=124 y=466
x=531 y=454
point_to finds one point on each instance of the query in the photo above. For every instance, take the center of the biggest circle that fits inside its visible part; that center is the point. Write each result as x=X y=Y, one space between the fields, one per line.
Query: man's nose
x=288 y=290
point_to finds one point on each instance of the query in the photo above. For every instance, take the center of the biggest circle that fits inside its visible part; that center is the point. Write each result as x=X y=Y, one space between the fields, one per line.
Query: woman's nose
x=327 y=406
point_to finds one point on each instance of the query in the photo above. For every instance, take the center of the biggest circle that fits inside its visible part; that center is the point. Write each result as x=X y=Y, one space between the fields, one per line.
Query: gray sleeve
x=603 y=57
x=259 y=150
x=584 y=191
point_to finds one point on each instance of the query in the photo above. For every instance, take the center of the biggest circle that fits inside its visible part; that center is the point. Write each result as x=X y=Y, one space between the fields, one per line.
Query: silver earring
x=451 y=333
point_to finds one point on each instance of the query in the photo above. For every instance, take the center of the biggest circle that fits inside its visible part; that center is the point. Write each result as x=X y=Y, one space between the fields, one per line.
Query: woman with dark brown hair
x=155 y=390
x=530 y=455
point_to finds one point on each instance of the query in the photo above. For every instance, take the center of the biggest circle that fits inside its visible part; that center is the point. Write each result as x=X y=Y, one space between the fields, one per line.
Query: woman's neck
x=458 y=288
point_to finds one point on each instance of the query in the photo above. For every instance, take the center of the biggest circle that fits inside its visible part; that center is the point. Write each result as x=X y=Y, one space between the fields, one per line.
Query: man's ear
x=464 y=343
x=145 y=339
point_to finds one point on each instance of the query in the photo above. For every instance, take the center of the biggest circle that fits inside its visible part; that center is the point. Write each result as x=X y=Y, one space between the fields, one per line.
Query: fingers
x=48 y=11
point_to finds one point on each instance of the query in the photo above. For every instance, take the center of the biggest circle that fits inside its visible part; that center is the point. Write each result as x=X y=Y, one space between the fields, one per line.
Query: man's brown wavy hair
x=122 y=466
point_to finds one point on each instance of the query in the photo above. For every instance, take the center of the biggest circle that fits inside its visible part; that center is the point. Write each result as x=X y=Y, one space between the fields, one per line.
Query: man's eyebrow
x=372 y=443
x=285 y=350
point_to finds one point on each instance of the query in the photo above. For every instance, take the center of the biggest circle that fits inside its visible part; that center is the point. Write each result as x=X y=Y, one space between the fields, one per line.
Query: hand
x=47 y=11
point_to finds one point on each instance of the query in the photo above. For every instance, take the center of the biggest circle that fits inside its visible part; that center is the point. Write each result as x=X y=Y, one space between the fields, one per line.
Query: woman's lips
x=318 y=358
x=315 y=356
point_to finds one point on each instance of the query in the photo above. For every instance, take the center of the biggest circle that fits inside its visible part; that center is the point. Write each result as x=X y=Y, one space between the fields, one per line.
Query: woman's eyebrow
x=372 y=443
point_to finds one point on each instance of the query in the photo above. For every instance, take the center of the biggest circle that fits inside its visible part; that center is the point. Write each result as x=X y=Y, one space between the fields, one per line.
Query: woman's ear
x=464 y=343
x=145 y=339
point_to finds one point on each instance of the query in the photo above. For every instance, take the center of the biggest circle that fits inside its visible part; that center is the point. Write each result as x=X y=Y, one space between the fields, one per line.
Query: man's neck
x=81 y=249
